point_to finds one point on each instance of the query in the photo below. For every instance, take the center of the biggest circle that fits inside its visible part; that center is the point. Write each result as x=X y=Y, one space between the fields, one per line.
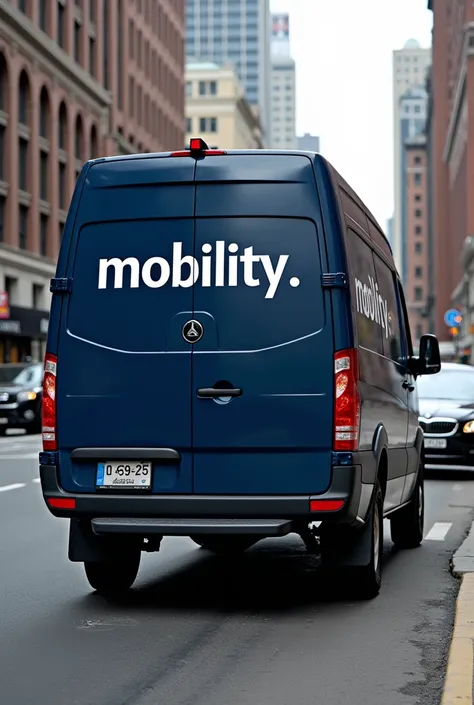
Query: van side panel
x=268 y=330
x=126 y=374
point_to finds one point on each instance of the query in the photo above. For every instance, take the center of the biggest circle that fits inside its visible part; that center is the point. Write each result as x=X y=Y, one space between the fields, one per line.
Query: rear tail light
x=346 y=400
x=326 y=505
x=49 y=403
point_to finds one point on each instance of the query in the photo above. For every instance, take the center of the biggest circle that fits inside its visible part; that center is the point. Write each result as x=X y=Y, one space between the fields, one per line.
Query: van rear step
x=186 y=527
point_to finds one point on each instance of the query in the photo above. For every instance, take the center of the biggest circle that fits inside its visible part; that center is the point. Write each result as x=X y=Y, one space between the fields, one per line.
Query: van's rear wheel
x=223 y=545
x=366 y=580
x=406 y=525
x=113 y=577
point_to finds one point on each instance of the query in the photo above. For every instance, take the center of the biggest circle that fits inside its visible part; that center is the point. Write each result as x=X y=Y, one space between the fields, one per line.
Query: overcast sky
x=343 y=52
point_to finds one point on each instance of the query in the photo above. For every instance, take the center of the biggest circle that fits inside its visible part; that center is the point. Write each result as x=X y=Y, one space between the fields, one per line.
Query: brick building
x=417 y=283
x=78 y=79
x=451 y=148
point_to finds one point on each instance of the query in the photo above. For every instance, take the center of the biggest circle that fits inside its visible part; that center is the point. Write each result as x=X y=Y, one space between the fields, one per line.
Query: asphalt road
x=197 y=631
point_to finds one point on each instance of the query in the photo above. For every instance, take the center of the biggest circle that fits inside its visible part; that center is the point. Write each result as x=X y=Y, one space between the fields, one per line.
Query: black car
x=446 y=404
x=20 y=399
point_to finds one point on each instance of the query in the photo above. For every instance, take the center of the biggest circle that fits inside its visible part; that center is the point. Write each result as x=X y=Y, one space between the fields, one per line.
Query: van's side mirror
x=428 y=361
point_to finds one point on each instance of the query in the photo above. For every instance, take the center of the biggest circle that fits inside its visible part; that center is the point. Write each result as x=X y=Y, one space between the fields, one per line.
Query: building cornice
x=16 y=26
x=26 y=261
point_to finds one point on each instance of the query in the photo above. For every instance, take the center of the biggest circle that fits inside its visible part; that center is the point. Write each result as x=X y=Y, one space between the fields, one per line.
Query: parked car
x=21 y=397
x=259 y=299
x=447 y=417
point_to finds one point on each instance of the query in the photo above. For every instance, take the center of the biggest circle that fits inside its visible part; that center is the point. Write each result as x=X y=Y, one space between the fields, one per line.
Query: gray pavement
x=262 y=630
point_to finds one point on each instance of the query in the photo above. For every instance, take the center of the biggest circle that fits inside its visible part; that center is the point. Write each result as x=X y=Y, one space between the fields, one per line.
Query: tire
x=367 y=580
x=113 y=577
x=224 y=545
x=341 y=545
x=406 y=525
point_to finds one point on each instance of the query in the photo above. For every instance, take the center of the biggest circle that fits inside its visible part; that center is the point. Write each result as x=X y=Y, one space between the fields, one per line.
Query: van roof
x=315 y=156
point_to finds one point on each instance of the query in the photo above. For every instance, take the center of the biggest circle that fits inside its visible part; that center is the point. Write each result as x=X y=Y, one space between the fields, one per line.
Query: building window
x=3 y=201
x=3 y=82
x=419 y=330
x=38 y=296
x=92 y=69
x=77 y=42
x=22 y=227
x=189 y=124
x=131 y=96
x=62 y=127
x=61 y=231
x=418 y=213
x=418 y=248
x=11 y=288
x=418 y=293
x=208 y=124
x=202 y=88
x=23 y=98
x=417 y=160
x=418 y=272
x=2 y=151
x=60 y=28
x=418 y=179
x=42 y=17
x=92 y=10
x=44 y=114
x=188 y=89
x=119 y=55
x=131 y=39
x=213 y=87
x=62 y=186
x=44 y=176
x=94 y=143
x=418 y=230
x=43 y=234
x=417 y=198
x=23 y=164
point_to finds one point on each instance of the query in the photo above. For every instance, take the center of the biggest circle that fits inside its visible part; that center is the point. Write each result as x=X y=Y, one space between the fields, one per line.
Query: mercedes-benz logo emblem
x=192 y=331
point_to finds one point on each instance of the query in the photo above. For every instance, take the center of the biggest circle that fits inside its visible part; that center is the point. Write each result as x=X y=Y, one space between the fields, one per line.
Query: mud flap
x=84 y=545
x=342 y=546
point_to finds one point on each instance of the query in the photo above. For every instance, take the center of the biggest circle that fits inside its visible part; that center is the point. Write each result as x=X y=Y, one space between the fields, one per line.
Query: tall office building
x=410 y=66
x=77 y=80
x=308 y=143
x=283 y=87
x=235 y=32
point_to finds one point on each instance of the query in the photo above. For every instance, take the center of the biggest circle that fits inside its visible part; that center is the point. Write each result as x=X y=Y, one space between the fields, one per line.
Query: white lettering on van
x=217 y=267
x=370 y=303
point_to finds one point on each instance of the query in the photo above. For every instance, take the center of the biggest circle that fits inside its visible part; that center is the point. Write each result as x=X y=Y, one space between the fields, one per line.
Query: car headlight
x=26 y=396
x=468 y=427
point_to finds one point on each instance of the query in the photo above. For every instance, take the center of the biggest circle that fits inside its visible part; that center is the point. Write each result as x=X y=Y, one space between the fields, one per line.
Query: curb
x=459 y=681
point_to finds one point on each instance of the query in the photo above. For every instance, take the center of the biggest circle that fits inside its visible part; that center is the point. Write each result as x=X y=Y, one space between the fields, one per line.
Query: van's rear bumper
x=346 y=485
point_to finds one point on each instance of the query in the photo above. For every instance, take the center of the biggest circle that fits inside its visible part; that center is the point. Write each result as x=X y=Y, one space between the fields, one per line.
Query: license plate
x=124 y=475
x=436 y=443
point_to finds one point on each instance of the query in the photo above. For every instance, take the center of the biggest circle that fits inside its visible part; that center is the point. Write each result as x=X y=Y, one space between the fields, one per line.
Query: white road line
x=438 y=531
x=37 y=480
x=15 y=486
x=457 y=488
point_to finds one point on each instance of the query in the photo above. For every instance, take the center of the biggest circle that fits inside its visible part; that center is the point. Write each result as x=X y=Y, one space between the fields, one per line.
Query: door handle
x=407 y=385
x=213 y=393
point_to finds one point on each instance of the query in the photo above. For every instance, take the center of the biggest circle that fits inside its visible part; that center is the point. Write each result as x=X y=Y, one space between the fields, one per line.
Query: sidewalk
x=459 y=682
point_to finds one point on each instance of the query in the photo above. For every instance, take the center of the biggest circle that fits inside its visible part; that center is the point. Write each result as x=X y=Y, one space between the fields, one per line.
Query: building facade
x=78 y=79
x=452 y=156
x=412 y=122
x=235 y=32
x=410 y=66
x=417 y=285
x=283 y=103
x=217 y=109
x=308 y=143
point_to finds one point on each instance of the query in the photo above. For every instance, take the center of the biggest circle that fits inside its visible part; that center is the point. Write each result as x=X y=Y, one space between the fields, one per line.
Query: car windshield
x=29 y=376
x=447 y=384
x=9 y=372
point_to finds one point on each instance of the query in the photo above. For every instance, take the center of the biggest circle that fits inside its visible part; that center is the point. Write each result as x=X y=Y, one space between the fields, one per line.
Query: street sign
x=452 y=317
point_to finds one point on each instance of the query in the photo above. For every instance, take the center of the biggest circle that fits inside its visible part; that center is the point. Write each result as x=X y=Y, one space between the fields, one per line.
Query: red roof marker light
x=198 y=148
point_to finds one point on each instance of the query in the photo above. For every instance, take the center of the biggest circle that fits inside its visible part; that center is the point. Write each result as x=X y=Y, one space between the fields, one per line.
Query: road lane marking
x=15 y=486
x=457 y=488
x=438 y=531
x=36 y=479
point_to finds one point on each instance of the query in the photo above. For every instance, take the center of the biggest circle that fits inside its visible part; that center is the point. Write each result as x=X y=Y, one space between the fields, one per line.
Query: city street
x=196 y=631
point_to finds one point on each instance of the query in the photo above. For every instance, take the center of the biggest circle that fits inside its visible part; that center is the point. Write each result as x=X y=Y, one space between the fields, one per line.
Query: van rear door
x=267 y=330
x=124 y=369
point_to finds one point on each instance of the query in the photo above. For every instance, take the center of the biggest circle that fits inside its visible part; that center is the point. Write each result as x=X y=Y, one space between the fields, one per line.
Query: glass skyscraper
x=235 y=32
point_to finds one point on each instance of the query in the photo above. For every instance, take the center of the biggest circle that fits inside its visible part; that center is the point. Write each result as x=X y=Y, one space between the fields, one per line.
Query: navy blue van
x=229 y=358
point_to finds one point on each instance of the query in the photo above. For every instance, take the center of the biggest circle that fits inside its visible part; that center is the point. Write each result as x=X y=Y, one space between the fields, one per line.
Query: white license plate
x=436 y=443
x=124 y=474
x=3 y=421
